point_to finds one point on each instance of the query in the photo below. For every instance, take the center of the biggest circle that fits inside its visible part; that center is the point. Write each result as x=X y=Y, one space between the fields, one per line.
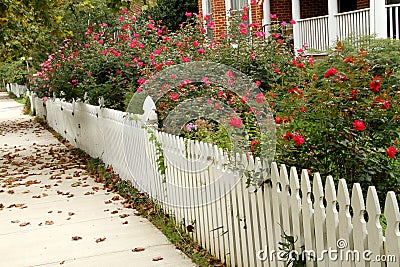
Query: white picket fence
x=16 y=89
x=240 y=225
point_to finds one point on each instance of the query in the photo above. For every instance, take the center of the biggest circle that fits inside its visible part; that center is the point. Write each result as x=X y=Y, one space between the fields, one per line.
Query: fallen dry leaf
x=158 y=258
x=115 y=198
x=138 y=249
x=76 y=238
x=108 y=202
x=114 y=212
x=70 y=213
x=49 y=222
x=24 y=224
x=62 y=262
x=101 y=239
x=15 y=221
x=125 y=222
x=76 y=184
x=123 y=215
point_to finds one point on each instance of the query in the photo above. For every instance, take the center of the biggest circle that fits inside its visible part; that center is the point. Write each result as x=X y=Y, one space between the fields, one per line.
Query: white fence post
x=378 y=18
x=296 y=29
x=332 y=25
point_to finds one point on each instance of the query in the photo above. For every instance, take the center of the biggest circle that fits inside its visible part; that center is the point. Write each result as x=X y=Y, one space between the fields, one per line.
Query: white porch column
x=378 y=18
x=332 y=25
x=266 y=19
x=296 y=29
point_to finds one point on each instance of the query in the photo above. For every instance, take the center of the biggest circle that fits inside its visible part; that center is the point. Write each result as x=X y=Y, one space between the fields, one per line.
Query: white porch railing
x=240 y=226
x=393 y=14
x=353 y=23
x=314 y=33
x=319 y=33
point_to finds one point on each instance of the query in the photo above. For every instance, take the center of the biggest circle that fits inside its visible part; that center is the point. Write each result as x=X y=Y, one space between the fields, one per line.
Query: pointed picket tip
x=373 y=206
x=357 y=203
x=294 y=179
x=305 y=182
x=274 y=173
x=343 y=193
x=330 y=191
x=392 y=213
x=318 y=188
x=284 y=177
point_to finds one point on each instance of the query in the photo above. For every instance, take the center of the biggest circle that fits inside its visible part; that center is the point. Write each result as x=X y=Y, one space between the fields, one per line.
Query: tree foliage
x=32 y=28
x=172 y=13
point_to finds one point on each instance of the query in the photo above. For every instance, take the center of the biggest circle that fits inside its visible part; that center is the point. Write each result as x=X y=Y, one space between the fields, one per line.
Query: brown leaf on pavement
x=158 y=258
x=49 y=222
x=123 y=215
x=138 y=249
x=115 y=198
x=70 y=213
x=62 y=262
x=125 y=222
x=10 y=191
x=76 y=184
x=24 y=224
x=76 y=238
x=108 y=202
x=15 y=221
x=101 y=239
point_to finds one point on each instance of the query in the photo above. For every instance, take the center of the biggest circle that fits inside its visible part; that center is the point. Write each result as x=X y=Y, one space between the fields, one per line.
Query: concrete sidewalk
x=47 y=200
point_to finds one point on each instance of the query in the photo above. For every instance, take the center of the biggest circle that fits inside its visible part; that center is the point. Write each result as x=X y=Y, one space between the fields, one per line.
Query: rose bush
x=337 y=115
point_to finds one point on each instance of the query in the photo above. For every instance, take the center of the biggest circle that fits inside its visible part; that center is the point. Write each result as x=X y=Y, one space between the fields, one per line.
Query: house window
x=207 y=10
x=238 y=4
x=347 y=5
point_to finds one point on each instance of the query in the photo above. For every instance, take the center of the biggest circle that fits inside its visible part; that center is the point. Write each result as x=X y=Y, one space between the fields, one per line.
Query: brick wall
x=257 y=14
x=137 y=7
x=219 y=17
x=282 y=9
x=312 y=8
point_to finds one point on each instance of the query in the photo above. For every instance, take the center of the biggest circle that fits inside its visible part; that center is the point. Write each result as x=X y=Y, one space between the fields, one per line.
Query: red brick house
x=319 y=22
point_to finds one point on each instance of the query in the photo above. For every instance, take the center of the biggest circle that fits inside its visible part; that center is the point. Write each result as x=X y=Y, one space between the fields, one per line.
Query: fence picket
x=345 y=241
x=319 y=221
x=375 y=232
x=332 y=217
x=308 y=216
x=392 y=244
x=359 y=224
